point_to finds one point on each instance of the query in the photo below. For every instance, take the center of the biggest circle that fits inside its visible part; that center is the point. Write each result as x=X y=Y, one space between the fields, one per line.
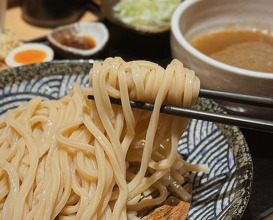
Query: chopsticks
x=240 y=121
x=238 y=98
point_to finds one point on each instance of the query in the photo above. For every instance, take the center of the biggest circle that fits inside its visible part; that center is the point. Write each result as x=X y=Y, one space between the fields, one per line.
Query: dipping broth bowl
x=196 y=18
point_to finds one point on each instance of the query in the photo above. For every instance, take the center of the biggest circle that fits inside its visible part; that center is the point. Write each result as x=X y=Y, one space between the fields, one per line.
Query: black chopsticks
x=240 y=121
x=238 y=98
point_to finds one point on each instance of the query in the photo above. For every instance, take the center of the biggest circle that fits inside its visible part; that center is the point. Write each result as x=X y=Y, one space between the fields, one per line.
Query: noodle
x=79 y=159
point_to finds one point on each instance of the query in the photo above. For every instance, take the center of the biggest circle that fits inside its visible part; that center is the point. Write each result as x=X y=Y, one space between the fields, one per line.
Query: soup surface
x=245 y=49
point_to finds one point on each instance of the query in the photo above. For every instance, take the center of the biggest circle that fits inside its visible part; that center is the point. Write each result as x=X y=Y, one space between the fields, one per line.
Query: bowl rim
x=175 y=30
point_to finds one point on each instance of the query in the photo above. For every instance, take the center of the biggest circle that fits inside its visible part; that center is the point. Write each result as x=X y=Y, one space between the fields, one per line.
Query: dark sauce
x=78 y=42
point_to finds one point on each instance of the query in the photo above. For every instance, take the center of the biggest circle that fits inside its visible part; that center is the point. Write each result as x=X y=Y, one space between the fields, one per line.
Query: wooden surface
x=26 y=31
x=172 y=209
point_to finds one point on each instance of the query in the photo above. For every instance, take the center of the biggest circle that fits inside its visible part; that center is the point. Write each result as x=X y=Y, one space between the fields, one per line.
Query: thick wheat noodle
x=79 y=159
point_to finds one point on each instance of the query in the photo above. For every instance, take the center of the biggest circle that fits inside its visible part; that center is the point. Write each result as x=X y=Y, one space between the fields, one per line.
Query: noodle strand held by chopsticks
x=75 y=158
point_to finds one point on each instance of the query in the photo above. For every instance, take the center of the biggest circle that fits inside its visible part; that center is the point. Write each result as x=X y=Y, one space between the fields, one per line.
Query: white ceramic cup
x=197 y=17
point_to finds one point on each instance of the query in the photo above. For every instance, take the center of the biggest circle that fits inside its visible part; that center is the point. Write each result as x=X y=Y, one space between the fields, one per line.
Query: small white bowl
x=194 y=17
x=96 y=30
x=31 y=56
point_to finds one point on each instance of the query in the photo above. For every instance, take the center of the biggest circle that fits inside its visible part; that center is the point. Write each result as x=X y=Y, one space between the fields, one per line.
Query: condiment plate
x=79 y=40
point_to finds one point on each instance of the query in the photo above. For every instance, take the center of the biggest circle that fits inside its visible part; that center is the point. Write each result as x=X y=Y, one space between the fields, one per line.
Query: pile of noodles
x=75 y=158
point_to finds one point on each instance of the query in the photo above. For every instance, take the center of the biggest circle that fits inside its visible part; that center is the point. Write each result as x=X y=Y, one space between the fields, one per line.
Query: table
x=26 y=31
x=130 y=46
x=262 y=191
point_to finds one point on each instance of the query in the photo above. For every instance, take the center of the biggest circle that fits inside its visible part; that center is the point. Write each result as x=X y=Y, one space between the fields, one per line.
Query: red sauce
x=78 y=42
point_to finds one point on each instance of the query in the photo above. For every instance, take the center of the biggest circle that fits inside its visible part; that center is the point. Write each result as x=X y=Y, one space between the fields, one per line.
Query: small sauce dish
x=29 y=53
x=79 y=40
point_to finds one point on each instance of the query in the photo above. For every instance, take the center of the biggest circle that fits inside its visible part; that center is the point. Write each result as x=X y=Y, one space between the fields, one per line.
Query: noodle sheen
x=75 y=158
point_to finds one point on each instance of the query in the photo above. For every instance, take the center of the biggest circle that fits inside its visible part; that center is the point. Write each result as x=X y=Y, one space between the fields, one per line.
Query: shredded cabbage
x=149 y=14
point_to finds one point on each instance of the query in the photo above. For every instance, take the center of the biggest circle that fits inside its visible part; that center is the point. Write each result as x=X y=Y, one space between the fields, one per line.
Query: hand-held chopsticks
x=240 y=121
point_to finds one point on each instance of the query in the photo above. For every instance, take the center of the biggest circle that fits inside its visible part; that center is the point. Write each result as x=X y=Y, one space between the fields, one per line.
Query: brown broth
x=245 y=49
x=78 y=42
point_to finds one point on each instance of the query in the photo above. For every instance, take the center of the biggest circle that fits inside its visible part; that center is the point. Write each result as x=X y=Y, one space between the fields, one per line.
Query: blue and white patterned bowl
x=223 y=193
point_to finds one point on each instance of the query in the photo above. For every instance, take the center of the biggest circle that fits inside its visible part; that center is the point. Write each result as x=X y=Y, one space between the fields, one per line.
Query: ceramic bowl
x=29 y=53
x=96 y=30
x=197 y=17
x=222 y=193
x=111 y=12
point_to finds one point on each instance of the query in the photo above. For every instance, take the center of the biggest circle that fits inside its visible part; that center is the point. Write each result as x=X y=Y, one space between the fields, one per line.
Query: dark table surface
x=131 y=46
